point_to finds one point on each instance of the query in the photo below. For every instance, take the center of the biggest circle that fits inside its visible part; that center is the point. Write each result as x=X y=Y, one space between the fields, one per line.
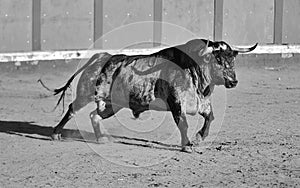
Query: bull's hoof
x=196 y=142
x=203 y=135
x=102 y=140
x=198 y=150
x=187 y=149
x=55 y=137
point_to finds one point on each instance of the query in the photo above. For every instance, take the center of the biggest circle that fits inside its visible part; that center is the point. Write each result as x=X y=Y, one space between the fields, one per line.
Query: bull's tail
x=64 y=88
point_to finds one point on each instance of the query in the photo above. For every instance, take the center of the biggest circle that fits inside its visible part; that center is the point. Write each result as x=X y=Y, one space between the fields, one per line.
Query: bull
x=183 y=76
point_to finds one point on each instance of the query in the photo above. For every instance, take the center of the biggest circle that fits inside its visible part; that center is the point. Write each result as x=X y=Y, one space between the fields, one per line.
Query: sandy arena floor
x=256 y=145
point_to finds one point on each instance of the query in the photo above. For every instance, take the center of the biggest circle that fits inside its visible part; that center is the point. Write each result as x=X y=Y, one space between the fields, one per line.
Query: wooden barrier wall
x=34 y=25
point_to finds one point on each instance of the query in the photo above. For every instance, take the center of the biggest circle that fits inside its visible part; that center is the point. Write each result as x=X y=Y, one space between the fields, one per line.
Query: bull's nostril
x=234 y=83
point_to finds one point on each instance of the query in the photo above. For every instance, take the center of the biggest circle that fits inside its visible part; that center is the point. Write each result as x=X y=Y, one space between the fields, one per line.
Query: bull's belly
x=139 y=103
x=141 y=93
x=149 y=101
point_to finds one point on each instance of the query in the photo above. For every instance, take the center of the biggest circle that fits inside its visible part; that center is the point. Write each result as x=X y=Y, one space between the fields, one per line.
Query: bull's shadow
x=34 y=131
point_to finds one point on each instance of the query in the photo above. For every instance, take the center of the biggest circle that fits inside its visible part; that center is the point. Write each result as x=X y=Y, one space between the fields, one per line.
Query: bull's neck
x=206 y=85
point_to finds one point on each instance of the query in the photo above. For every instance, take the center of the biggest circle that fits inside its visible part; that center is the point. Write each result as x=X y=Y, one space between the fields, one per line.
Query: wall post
x=98 y=23
x=218 y=19
x=157 y=26
x=36 y=25
x=278 y=17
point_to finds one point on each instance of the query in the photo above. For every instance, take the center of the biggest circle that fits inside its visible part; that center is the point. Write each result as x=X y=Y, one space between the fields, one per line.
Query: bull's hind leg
x=56 y=135
x=97 y=116
x=74 y=107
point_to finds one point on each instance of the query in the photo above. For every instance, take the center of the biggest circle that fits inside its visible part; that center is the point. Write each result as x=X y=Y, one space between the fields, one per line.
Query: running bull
x=182 y=76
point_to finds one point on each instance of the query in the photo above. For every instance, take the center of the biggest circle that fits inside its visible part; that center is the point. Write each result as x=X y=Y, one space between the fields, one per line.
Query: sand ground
x=254 y=142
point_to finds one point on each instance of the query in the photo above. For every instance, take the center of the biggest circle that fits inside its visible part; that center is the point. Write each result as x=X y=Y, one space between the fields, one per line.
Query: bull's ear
x=206 y=50
x=207 y=58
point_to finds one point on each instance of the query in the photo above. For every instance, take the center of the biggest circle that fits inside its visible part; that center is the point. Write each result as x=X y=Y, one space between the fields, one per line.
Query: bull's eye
x=219 y=60
x=226 y=64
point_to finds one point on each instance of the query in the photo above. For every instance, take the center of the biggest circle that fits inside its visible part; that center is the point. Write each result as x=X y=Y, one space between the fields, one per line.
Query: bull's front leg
x=203 y=133
x=183 y=127
x=181 y=122
x=205 y=110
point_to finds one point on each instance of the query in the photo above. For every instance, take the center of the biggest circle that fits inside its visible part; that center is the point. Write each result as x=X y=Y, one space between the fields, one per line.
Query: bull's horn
x=244 y=50
x=206 y=50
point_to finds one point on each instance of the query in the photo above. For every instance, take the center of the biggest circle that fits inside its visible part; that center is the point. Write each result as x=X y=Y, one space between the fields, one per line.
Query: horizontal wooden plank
x=82 y=54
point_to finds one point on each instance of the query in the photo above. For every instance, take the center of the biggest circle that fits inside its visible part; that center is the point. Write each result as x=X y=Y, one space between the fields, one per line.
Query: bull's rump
x=85 y=90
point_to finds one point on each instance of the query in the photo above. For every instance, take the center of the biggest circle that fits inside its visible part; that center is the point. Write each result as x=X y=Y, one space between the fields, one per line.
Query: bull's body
x=126 y=81
x=179 y=76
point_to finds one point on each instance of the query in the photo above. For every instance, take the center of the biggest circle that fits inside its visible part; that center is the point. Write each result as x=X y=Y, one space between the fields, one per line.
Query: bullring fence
x=64 y=29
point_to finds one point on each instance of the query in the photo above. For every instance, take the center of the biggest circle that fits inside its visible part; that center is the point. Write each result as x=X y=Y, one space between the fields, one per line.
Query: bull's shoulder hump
x=134 y=58
x=119 y=57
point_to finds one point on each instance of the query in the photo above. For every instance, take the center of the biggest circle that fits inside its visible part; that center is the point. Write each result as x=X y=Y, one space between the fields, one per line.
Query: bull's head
x=220 y=56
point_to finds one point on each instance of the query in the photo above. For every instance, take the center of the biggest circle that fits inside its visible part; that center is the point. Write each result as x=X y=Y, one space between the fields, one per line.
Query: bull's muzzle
x=230 y=84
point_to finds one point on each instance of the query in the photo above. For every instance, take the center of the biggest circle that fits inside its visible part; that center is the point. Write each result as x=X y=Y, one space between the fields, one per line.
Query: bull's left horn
x=244 y=50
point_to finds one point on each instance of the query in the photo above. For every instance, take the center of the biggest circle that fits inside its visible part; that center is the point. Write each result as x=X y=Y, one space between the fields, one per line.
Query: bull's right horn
x=244 y=50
